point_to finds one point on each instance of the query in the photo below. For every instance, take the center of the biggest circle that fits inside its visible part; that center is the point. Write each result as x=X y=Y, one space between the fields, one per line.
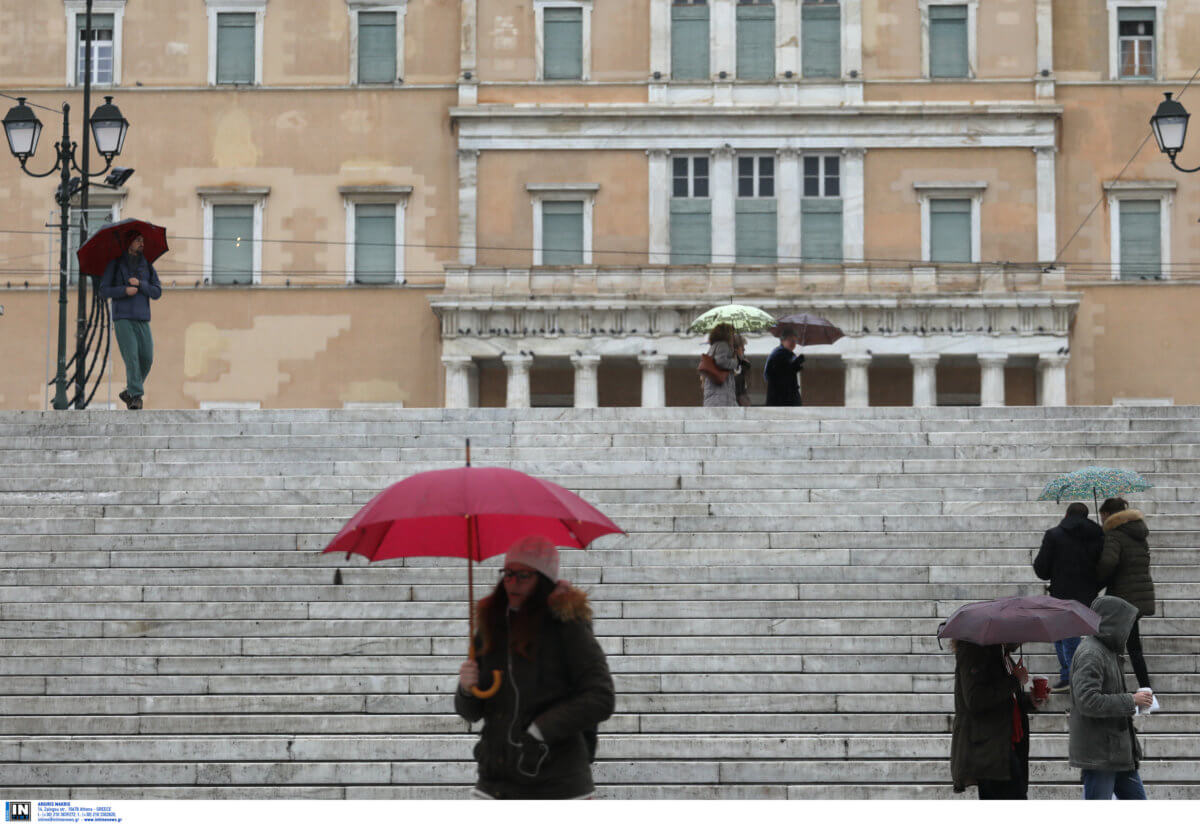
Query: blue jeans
x=1066 y=651
x=1102 y=785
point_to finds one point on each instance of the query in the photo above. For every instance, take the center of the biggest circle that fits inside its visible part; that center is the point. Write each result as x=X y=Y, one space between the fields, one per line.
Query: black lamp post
x=1170 y=128
x=22 y=128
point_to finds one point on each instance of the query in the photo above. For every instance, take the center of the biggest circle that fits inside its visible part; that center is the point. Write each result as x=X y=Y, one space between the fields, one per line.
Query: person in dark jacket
x=1103 y=743
x=783 y=365
x=741 y=391
x=1124 y=571
x=1068 y=560
x=990 y=742
x=131 y=283
x=539 y=729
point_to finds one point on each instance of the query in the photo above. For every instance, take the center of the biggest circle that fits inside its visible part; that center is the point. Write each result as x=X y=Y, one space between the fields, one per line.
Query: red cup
x=1041 y=688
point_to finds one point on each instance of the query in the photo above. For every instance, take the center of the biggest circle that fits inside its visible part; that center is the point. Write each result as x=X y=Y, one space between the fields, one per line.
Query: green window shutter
x=235 y=48
x=562 y=232
x=1141 y=239
x=375 y=243
x=97 y=216
x=233 y=244
x=950 y=230
x=948 y=41
x=689 y=43
x=1132 y=14
x=821 y=51
x=691 y=230
x=563 y=38
x=755 y=230
x=756 y=42
x=821 y=230
x=377 y=47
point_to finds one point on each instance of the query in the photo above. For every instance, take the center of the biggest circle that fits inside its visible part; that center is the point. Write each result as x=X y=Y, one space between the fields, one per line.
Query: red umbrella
x=1019 y=619
x=111 y=241
x=811 y=329
x=469 y=512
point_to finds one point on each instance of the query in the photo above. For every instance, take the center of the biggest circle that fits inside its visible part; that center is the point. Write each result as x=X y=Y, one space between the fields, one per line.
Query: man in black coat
x=781 y=370
x=1067 y=560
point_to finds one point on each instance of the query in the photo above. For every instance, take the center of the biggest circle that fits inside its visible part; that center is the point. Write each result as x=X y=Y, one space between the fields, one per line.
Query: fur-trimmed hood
x=567 y=603
x=1125 y=516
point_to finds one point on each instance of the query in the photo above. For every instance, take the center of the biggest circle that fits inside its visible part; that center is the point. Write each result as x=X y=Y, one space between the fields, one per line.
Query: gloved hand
x=530 y=755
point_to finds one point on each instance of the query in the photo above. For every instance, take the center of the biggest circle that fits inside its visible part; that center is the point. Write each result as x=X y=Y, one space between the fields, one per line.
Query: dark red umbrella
x=811 y=329
x=111 y=241
x=469 y=512
x=1019 y=619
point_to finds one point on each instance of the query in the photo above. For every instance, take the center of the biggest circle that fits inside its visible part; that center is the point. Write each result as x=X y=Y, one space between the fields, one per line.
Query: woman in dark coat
x=1124 y=568
x=990 y=743
x=539 y=730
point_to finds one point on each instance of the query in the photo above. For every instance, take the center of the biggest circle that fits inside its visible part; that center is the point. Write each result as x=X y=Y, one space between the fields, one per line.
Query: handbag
x=708 y=368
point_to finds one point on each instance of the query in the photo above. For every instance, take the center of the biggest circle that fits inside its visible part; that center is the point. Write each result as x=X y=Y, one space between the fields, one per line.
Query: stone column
x=468 y=76
x=458 y=381
x=991 y=378
x=787 y=44
x=1047 y=211
x=1052 y=379
x=660 y=206
x=724 y=243
x=857 y=389
x=788 y=204
x=924 y=365
x=587 y=385
x=654 y=380
x=722 y=47
x=518 y=365
x=1044 y=15
x=660 y=38
x=468 y=206
x=854 y=205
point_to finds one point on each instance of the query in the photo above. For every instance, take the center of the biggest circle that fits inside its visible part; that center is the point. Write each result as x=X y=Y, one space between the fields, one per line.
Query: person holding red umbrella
x=539 y=732
x=131 y=283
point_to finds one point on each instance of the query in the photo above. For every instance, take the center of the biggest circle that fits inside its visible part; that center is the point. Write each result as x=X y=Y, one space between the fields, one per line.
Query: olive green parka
x=1124 y=565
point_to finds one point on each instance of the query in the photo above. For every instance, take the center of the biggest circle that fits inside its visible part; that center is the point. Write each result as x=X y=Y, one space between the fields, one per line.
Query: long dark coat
x=1124 y=565
x=983 y=715
x=566 y=690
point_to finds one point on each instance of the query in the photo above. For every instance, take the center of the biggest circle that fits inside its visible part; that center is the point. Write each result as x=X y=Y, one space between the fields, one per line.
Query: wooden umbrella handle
x=490 y=691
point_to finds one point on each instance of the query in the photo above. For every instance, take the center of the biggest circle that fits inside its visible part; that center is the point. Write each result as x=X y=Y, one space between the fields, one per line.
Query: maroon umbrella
x=811 y=329
x=1019 y=619
x=111 y=241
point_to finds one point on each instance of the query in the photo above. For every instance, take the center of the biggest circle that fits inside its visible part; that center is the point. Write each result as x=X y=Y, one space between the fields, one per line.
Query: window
x=375 y=233
x=563 y=35
x=235 y=41
x=107 y=17
x=756 y=40
x=691 y=210
x=562 y=222
x=233 y=220
x=98 y=214
x=378 y=47
x=689 y=40
x=821 y=209
x=950 y=221
x=1140 y=228
x=821 y=38
x=1135 y=34
x=948 y=42
x=755 y=229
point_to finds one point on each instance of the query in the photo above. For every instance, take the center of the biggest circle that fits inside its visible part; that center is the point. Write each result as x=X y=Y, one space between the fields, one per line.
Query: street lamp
x=1170 y=128
x=22 y=128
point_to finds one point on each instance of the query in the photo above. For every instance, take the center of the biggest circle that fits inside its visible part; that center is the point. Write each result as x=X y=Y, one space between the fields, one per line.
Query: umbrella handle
x=490 y=691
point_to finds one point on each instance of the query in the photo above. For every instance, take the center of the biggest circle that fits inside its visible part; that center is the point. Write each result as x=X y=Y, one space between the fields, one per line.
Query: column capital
x=992 y=359
x=855 y=359
x=456 y=360
x=658 y=154
x=724 y=150
x=517 y=360
x=1045 y=150
x=1052 y=361
x=789 y=152
x=468 y=154
x=585 y=360
x=652 y=360
x=854 y=152
x=924 y=359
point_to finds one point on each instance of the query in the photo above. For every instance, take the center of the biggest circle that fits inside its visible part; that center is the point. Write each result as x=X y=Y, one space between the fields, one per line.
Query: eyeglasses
x=518 y=574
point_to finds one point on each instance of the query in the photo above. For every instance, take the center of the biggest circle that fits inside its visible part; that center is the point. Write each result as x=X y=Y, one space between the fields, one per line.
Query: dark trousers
x=1134 y=647
x=1016 y=788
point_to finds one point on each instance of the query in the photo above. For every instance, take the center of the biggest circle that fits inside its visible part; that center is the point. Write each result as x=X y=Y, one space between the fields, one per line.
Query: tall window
x=1135 y=32
x=821 y=209
x=375 y=243
x=377 y=45
x=97 y=216
x=689 y=40
x=102 y=48
x=1141 y=239
x=949 y=47
x=563 y=43
x=691 y=210
x=950 y=230
x=821 y=33
x=755 y=219
x=562 y=232
x=236 y=48
x=232 y=244
x=756 y=40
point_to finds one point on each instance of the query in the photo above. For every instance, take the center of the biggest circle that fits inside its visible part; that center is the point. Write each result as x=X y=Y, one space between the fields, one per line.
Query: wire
x=28 y=103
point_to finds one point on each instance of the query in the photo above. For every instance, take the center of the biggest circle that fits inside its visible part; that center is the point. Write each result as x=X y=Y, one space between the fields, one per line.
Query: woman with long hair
x=539 y=729
x=720 y=349
x=1124 y=571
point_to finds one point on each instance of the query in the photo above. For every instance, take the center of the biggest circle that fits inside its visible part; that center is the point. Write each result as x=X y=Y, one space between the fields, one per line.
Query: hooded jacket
x=566 y=689
x=1124 y=566
x=1068 y=558
x=984 y=690
x=1102 y=735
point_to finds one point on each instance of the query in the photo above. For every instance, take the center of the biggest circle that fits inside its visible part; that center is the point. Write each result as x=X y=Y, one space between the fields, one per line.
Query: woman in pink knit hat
x=539 y=731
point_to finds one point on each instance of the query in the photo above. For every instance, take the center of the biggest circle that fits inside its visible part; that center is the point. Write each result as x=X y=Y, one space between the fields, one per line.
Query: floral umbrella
x=742 y=318
x=1098 y=481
